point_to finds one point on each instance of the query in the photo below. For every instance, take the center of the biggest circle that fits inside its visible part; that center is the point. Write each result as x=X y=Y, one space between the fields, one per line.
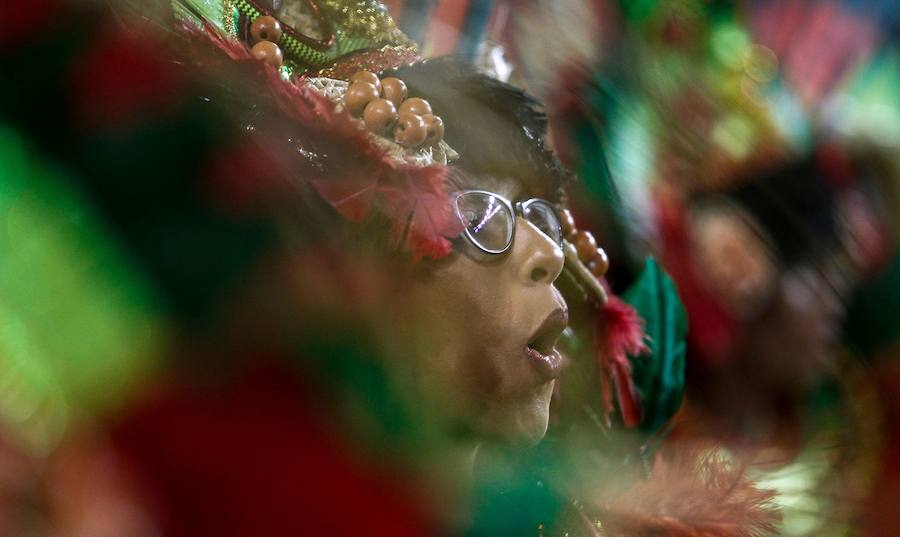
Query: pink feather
x=620 y=334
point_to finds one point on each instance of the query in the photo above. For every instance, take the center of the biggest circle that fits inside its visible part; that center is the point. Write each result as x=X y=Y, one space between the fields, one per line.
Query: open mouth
x=541 y=349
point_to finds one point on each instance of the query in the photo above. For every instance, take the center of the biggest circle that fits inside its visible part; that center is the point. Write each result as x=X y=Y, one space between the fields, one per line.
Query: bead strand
x=384 y=107
x=593 y=256
x=266 y=31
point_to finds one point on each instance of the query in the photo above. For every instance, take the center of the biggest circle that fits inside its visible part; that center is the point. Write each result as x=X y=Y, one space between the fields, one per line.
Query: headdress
x=324 y=37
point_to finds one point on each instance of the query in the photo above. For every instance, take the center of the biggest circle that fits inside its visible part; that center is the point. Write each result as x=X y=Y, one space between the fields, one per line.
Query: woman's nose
x=539 y=260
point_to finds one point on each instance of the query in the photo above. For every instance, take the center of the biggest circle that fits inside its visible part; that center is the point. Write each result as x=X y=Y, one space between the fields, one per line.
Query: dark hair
x=794 y=203
x=497 y=128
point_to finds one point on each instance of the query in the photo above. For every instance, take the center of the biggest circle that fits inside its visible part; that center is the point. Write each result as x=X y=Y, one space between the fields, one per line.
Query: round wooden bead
x=410 y=130
x=599 y=264
x=265 y=28
x=415 y=105
x=434 y=129
x=368 y=77
x=585 y=245
x=568 y=223
x=358 y=95
x=268 y=52
x=394 y=90
x=380 y=115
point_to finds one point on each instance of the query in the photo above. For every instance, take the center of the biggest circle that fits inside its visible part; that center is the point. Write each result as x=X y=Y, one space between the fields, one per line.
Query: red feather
x=232 y=47
x=351 y=172
x=620 y=335
x=692 y=493
x=421 y=201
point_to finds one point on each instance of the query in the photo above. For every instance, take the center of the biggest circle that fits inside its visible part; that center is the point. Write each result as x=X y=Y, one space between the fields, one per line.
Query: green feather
x=659 y=375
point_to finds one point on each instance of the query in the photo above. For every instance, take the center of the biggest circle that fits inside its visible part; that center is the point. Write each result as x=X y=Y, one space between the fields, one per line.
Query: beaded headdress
x=331 y=38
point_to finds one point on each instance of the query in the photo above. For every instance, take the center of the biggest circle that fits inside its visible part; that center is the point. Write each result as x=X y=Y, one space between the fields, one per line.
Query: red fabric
x=447 y=18
x=123 y=80
x=244 y=174
x=714 y=331
x=881 y=517
x=818 y=43
x=22 y=21
x=256 y=457
x=395 y=8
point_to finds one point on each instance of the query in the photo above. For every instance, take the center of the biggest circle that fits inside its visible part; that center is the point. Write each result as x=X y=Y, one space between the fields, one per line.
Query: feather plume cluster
x=620 y=334
x=692 y=493
x=349 y=170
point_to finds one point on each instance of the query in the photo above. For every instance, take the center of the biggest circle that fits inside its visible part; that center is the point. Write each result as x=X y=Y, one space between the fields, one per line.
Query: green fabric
x=514 y=494
x=593 y=168
x=369 y=400
x=659 y=376
x=638 y=11
x=211 y=10
x=78 y=324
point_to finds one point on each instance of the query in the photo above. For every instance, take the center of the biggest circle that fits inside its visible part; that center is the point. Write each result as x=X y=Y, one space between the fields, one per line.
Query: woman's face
x=486 y=354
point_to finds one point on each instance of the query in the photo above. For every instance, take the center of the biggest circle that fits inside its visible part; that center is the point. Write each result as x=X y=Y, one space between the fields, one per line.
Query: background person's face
x=485 y=319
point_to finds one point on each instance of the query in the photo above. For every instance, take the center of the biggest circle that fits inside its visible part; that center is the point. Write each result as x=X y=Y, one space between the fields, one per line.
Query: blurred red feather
x=692 y=493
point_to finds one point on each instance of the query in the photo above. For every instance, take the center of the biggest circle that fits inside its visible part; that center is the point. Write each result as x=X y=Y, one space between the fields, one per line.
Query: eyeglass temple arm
x=582 y=275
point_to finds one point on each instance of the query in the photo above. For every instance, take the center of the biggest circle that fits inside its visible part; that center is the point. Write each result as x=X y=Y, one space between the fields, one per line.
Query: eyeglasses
x=490 y=219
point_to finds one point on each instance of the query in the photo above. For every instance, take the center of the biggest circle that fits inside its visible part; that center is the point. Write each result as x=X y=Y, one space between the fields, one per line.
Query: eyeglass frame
x=516 y=209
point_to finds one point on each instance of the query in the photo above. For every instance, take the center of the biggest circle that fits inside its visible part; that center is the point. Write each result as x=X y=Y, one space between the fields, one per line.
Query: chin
x=522 y=423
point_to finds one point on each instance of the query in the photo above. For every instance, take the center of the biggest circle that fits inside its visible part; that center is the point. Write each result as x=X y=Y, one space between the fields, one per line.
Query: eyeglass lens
x=488 y=220
x=542 y=215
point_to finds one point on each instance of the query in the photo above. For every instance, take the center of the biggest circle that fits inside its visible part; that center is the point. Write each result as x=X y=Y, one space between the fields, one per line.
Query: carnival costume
x=279 y=177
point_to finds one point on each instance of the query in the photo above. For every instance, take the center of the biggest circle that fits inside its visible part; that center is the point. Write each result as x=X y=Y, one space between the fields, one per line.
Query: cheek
x=474 y=313
x=473 y=357
x=470 y=307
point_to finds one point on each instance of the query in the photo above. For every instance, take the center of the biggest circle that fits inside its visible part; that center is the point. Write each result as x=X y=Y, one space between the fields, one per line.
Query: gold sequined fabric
x=365 y=19
x=228 y=23
x=376 y=61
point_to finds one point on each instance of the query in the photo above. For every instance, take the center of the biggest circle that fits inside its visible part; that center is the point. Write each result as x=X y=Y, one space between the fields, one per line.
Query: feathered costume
x=193 y=157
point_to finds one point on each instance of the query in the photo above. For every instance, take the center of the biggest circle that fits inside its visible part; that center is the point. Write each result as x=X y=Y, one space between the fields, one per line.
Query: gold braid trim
x=228 y=18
